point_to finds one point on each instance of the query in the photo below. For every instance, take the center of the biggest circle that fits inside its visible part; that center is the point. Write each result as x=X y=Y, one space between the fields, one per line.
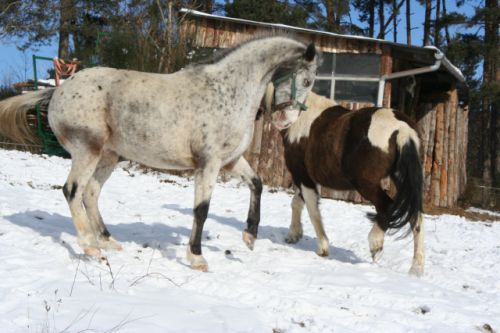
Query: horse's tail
x=13 y=115
x=407 y=175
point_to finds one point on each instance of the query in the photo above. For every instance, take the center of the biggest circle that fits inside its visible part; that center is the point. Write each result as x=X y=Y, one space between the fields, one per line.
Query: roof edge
x=452 y=69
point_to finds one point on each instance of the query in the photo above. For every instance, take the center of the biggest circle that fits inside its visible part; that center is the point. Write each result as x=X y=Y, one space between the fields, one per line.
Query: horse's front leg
x=204 y=182
x=295 y=231
x=242 y=168
x=311 y=197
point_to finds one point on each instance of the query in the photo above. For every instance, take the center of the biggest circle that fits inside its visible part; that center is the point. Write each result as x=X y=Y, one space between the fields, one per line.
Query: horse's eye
x=307 y=83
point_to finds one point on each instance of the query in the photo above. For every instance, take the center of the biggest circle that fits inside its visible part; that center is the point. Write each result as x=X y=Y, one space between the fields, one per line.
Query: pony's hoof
x=196 y=261
x=323 y=252
x=376 y=254
x=110 y=244
x=416 y=270
x=323 y=248
x=293 y=238
x=93 y=252
x=248 y=239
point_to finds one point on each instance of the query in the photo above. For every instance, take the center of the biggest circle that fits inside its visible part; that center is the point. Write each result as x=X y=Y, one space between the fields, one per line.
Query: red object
x=63 y=69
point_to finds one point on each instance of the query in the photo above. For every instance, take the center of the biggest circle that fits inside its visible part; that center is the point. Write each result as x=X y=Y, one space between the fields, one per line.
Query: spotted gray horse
x=199 y=118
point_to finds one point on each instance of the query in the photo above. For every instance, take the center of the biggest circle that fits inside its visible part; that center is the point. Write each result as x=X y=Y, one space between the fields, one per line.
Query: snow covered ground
x=47 y=286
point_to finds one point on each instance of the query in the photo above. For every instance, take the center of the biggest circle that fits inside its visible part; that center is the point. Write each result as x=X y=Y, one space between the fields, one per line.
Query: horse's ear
x=310 y=52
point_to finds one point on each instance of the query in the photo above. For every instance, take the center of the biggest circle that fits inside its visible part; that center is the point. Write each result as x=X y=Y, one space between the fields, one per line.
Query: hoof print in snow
x=486 y=328
x=423 y=309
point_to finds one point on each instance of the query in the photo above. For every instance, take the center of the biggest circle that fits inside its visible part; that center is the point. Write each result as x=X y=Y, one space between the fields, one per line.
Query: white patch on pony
x=311 y=199
x=376 y=241
x=295 y=231
x=197 y=261
x=417 y=267
x=383 y=124
x=316 y=104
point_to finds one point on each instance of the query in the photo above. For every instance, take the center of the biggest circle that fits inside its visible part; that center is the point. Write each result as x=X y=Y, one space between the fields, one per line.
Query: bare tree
x=408 y=23
x=381 y=19
x=427 y=22
x=437 y=28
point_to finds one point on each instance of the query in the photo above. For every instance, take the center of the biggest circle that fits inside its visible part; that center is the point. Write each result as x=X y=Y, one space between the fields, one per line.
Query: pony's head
x=286 y=94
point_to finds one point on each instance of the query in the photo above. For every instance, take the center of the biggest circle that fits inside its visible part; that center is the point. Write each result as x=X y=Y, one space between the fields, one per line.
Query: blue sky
x=16 y=65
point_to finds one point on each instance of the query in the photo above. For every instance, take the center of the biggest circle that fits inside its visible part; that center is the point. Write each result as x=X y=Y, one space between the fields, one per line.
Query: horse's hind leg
x=83 y=165
x=102 y=172
x=311 y=198
x=372 y=191
x=204 y=181
x=295 y=231
x=243 y=169
x=417 y=267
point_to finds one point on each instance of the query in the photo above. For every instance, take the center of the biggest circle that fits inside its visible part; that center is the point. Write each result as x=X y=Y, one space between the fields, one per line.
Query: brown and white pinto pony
x=341 y=149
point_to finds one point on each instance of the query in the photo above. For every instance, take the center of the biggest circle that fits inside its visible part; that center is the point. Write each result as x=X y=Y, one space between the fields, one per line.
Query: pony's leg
x=243 y=169
x=295 y=230
x=103 y=170
x=204 y=182
x=376 y=241
x=311 y=197
x=83 y=166
x=372 y=191
x=417 y=267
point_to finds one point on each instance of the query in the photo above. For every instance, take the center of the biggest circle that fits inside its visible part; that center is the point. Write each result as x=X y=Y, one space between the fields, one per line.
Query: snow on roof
x=446 y=63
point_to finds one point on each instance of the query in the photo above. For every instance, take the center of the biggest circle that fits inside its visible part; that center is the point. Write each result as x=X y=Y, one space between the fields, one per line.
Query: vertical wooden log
x=452 y=153
x=429 y=154
x=443 y=182
x=386 y=68
x=438 y=155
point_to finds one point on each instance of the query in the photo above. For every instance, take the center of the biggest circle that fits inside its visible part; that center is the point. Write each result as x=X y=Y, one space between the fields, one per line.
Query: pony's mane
x=316 y=104
x=224 y=52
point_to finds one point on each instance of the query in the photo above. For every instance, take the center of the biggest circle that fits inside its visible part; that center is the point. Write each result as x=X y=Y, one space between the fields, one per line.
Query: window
x=349 y=77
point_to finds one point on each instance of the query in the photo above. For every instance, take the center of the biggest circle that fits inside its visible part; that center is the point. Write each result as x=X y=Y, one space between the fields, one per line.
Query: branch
x=8 y=7
x=389 y=20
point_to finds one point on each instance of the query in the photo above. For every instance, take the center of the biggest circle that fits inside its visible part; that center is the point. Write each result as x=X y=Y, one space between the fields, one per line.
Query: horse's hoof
x=323 y=248
x=110 y=244
x=248 y=239
x=293 y=238
x=323 y=252
x=416 y=270
x=196 y=261
x=376 y=254
x=93 y=252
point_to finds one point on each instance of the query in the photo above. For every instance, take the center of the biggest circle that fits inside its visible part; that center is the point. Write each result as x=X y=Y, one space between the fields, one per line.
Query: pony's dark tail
x=13 y=115
x=407 y=175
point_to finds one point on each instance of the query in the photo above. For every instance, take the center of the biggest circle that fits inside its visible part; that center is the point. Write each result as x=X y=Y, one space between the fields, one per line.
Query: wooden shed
x=357 y=72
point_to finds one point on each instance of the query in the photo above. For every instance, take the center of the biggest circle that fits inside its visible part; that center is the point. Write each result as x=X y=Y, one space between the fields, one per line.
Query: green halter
x=293 y=91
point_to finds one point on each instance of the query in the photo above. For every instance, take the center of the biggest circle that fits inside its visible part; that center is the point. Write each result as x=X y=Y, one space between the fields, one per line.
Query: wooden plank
x=438 y=155
x=452 y=153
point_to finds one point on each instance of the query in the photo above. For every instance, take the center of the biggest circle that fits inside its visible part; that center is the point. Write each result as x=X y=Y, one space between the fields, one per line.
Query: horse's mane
x=224 y=52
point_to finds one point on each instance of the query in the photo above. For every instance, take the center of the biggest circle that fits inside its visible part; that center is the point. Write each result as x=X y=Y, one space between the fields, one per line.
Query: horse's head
x=286 y=94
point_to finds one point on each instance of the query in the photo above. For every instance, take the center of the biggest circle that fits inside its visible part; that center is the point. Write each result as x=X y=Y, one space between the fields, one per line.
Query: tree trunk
x=330 y=16
x=408 y=23
x=381 y=19
x=489 y=117
x=66 y=10
x=427 y=22
x=446 y=30
x=395 y=21
x=371 y=19
x=436 y=23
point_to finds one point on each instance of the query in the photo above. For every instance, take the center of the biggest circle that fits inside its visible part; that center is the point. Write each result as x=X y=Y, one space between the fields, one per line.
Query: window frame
x=333 y=77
